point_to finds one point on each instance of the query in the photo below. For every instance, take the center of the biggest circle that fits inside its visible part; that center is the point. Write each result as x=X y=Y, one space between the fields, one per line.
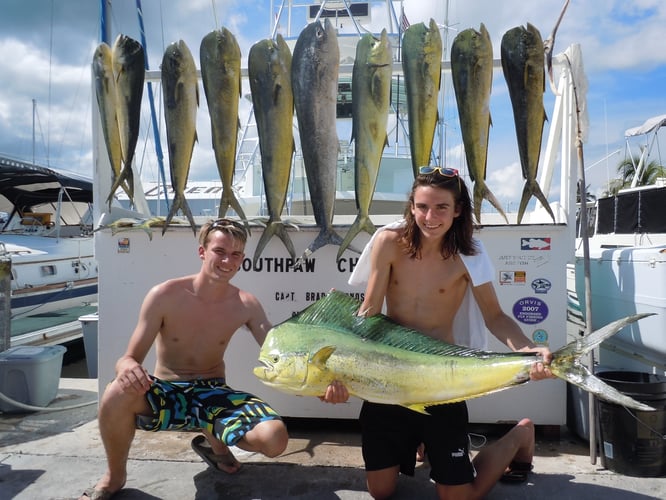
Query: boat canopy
x=24 y=186
x=650 y=125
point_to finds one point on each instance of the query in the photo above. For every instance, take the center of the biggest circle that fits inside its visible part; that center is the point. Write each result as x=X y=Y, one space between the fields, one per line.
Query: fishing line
x=217 y=25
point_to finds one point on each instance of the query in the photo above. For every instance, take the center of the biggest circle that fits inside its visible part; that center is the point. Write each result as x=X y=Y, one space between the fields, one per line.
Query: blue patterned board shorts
x=208 y=404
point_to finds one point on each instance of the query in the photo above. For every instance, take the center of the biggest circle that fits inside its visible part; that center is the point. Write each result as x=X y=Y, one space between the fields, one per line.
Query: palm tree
x=589 y=198
x=627 y=170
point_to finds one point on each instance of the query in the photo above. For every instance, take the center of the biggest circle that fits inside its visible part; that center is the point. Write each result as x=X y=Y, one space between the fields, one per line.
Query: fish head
x=127 y=50
x=375 y=50
x=322 y=38
x=222 y=47
x=292 y=362
x=433 y=40
x=424 y=40
x=102 y=55
x=173 y=57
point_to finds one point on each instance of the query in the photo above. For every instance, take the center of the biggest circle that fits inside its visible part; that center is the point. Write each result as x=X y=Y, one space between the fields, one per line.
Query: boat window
x=48 y=270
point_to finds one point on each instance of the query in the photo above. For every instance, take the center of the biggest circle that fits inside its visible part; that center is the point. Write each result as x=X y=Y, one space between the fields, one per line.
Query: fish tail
x=148 y=230
x=327 y=236
x=126 y=181
x=481 y=192
x=274 y=228
x=229 y=200
x=362 y=223
x=567 y=366
x=524 y=200
x=180 y=203
x=530 y=189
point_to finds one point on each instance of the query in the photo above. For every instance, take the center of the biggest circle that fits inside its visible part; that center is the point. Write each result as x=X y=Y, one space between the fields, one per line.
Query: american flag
x=404 y=22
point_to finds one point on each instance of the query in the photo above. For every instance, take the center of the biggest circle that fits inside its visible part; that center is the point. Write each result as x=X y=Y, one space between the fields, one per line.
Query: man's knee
x=382 y=483
x=277 y=439
x=115 y=400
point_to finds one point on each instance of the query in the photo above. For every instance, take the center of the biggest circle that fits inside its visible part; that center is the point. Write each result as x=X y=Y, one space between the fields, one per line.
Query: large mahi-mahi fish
x=129 y=71
x=422 y=66
x=107 y=103
x=220 y=58
x=181 y=99
x=314 y=79
x=371 y=91
x=522 y=54
x=472 y=76
x=378 y=360
x=269 y=72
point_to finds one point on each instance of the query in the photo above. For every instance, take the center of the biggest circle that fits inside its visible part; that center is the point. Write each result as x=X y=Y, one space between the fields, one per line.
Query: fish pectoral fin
x=320 y=358
x=418 y=407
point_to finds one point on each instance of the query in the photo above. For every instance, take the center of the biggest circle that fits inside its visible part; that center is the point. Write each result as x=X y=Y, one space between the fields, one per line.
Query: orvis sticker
x=530 y=310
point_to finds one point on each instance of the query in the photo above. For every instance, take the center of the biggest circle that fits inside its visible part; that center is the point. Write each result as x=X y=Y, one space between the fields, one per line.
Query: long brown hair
x=458 y=239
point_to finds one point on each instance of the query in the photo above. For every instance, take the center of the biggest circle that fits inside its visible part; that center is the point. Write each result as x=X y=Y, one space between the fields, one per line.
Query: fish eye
x=275 y=358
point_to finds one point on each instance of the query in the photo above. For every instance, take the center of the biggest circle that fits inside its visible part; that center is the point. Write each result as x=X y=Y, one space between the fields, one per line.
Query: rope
x=24 y=406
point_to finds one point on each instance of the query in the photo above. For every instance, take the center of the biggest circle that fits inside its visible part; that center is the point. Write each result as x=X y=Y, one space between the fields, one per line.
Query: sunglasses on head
x=224 y=224
x=445 y=171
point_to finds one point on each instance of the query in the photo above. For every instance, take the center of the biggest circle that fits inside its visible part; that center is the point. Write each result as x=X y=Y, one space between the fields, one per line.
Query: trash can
x=633 y=442
x=89 y=326
x=30 y=375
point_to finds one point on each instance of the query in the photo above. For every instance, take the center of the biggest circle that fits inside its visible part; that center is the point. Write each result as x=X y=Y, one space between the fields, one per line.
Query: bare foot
x=101 y=491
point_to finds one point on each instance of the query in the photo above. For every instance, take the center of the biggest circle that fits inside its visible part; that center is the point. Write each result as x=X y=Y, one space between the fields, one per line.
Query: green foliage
x=627 y=171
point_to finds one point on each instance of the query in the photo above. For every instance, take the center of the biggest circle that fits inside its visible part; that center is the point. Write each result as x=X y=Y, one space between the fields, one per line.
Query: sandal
x=516 y=472
x=228 y=461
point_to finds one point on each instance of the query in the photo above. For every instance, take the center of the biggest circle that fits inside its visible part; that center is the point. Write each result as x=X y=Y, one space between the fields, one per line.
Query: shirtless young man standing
x=191 y=321
x=422 y=270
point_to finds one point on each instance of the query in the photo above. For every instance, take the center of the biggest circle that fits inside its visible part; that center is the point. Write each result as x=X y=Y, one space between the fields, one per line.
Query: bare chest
x=198 y=322
x=427 y=294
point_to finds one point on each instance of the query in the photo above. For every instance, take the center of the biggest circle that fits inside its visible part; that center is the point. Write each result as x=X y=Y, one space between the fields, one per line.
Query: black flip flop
x=200 y=446
x=517 y=472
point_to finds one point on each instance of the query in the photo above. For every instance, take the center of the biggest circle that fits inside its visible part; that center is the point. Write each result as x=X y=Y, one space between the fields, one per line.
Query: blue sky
x=47 y=47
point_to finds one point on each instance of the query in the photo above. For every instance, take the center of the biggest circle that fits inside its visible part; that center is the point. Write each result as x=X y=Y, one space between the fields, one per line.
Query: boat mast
x=105 y=34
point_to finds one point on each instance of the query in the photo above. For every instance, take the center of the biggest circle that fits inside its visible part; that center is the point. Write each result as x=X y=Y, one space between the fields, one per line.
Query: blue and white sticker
x=530 y=310
x=535 y=243
x=540 y=336
x=541 y=285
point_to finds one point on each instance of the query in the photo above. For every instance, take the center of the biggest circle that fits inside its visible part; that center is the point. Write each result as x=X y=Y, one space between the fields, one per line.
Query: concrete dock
x=57 y=455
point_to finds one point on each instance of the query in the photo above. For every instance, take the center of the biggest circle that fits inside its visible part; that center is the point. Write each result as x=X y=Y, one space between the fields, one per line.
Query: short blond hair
x=228 y=226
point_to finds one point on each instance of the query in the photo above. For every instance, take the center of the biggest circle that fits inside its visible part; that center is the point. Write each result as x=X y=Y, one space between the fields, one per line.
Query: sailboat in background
x=46 y=234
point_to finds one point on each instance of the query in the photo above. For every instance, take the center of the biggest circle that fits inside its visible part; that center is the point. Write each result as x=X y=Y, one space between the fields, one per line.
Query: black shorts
x=392 y=433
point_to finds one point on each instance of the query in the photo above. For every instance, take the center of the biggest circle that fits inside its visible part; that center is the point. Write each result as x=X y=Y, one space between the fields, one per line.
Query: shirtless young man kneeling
x=191 y=321
x=422 y=269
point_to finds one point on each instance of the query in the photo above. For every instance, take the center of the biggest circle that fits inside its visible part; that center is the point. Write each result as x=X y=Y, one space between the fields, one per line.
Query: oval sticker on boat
x=530 y=310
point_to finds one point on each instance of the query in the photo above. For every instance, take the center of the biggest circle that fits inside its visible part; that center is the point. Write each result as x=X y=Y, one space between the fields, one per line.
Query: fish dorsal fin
x=320 y=357
x=338 y=311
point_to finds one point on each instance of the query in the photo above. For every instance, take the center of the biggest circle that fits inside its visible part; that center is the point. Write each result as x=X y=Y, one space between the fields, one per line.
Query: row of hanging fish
x=119 y=76
x=307 y=84
x=523 y=65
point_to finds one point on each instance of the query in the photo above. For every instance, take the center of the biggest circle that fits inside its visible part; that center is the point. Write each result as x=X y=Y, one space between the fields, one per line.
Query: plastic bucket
x=633 y=442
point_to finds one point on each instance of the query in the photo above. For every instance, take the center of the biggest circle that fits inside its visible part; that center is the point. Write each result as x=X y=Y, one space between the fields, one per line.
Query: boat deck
x=50 y=328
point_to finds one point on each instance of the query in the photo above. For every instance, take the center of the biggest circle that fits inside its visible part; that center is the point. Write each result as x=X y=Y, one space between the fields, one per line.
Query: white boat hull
x=50 y=274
